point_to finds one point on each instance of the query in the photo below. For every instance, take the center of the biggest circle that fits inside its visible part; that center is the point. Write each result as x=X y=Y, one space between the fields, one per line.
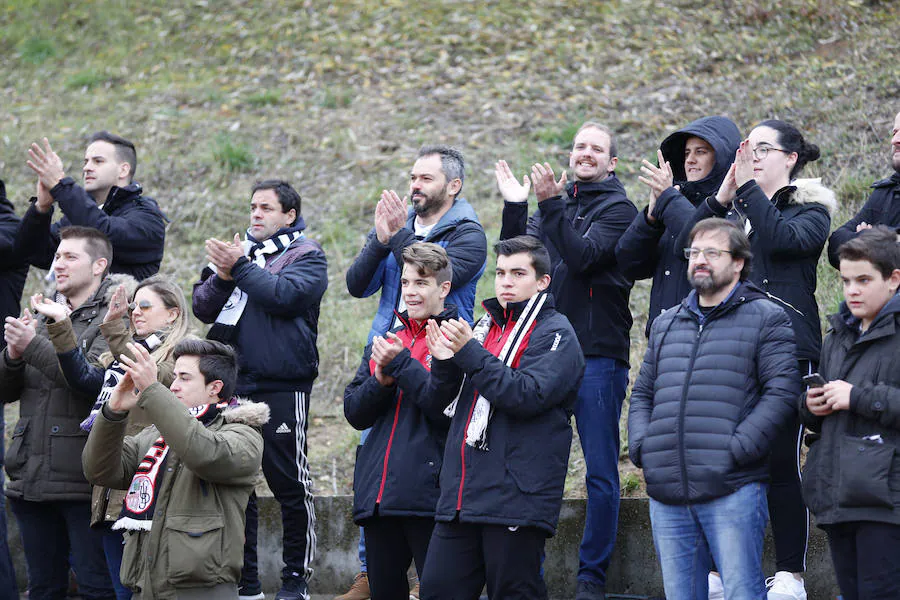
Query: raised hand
x=658 y=179
x=118 y=306
x=224 y=254
x=49 y=308
x=18 y=333
x=45 y=162
x=545 y=183
x=510 y=189
x=457 y=332
x=44 y=199
x=743 y=164
x=438 y=345
x=142 y=368
x=124 y=396
x=384 y=349
x=728 y=189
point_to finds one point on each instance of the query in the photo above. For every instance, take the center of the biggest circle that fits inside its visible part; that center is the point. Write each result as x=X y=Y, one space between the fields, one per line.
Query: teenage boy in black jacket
x=395 y=481
x=110 y=201
x=507 y=449
x=580 y=224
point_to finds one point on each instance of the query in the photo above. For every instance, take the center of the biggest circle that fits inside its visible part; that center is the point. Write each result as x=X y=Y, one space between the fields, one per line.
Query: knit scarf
x=113 y=375
x=476 y=433
x=256 y=252
x=140 y=500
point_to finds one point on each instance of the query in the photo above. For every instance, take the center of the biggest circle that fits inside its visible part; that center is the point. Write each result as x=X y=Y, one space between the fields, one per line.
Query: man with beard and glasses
x=718 y=383
x=439 y=215
x=882 y=208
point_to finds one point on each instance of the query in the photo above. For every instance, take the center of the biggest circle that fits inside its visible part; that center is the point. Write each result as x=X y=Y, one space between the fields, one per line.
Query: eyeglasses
x=144 y=305
x=760 y=152
x=709 y=253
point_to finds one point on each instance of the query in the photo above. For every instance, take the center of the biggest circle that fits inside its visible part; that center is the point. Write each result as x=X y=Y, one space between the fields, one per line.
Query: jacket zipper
x=684 y=390
x=387 y=452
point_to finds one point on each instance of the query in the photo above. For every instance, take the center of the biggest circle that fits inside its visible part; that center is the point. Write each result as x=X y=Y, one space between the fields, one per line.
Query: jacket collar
x=744 y=291
x=460 y=211
x=122 y=195
x=503 y=316
x=298 y=227
x=416 y=327
x=884 y=324
x=893 y=180
x=587 y=192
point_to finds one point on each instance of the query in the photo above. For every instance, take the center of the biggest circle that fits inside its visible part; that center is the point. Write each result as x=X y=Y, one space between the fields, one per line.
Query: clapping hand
x=658 y=179
x=224 y=255
x=743 y=164
x=142 y=368
x=545 y=183
x=50 y=309
x=390 y=215
x=438 y=345
x=46 y=163
x=457 y=332
x=118 y=306
x=510 y=189
x=18 y=333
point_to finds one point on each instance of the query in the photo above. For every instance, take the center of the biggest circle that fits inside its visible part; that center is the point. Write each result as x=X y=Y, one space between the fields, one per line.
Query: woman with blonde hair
x=157 y=320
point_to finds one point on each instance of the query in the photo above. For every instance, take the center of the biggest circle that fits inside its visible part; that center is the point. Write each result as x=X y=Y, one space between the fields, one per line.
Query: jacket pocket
x=130 y=571
x=814 y=492
x=67 y=441
x=865 y=472
x=195 y=548
x=18 y=450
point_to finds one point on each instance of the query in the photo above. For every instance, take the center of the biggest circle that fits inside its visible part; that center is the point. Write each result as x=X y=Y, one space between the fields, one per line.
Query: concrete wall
x=634 y=569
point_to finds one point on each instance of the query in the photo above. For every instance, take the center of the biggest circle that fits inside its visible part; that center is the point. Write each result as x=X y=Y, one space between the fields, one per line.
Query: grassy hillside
x=337 y=96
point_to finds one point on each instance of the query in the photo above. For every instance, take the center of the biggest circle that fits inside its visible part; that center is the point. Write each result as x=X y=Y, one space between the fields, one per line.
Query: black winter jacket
x=711 y=397
x=13 y=269
x=882 y=208
x=277 y=332
x=648 y=249
x=519 y=480
x=398 y=468
x=847 y=478
x=787 y=236
x=133 y=223
x=581 y=230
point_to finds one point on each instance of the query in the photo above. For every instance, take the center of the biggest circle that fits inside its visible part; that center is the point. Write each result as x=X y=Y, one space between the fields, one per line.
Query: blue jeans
x=114 y=548
x=597 y=418
x=730 y=528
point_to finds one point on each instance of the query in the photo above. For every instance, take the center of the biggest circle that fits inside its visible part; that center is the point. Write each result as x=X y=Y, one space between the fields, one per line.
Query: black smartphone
x=814 y=380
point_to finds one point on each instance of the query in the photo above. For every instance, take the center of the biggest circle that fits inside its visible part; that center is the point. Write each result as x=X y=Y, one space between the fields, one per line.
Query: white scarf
x=476 y=433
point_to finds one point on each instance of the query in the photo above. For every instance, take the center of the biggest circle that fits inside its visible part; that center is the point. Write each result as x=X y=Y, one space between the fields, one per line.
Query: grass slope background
x=337 y=96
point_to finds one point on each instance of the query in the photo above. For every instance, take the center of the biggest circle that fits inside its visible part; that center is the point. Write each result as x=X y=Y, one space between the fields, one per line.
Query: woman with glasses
x=158 y=320
x=787 y=220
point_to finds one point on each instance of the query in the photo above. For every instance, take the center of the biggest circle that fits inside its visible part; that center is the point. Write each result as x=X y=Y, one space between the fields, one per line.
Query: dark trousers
x=866 y=557
x=462 y=557
x=51 y=533
x=8 y=588
x=393 y=542
x=286 y=469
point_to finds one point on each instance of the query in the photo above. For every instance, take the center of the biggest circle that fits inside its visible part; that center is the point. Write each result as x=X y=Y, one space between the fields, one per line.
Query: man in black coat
x=580 y=223
x=507 y=449
x=110 y=201
x=882 y=208
x=718 y=383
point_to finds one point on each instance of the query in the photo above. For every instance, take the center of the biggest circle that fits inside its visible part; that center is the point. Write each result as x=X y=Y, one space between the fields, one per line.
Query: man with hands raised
x=507 y=449
x=580 y=223
x=395 y=481
x=188 y=476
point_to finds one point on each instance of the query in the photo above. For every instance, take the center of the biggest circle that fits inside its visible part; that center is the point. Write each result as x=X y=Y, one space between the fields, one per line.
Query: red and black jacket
x=398 y=468
x=519 y=479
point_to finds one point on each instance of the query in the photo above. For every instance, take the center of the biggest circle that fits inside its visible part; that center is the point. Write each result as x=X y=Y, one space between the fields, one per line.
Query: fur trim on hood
x=117 y=279
x=254 y=414
x=811 y=190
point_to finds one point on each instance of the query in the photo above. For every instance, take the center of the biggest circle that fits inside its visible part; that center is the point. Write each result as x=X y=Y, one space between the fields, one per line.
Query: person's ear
x=290 y=216
x=213 y=388
x=173 y=316
x=445 y=289
x=543 y=282
x=612 y=164
x=125 y=171
x=98 y=268
x=894 y=280
x=454 y=187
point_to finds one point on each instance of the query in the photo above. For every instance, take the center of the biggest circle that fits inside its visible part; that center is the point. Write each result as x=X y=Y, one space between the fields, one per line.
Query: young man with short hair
x=395 y=481
x=507 y=450
x=851 y=481
x=188 y=475
x=110 y=201
x=47 y=490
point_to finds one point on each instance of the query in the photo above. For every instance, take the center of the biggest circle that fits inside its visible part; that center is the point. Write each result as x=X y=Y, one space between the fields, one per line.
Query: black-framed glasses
x=760 y=152
x=709 y=253
x=144 y=305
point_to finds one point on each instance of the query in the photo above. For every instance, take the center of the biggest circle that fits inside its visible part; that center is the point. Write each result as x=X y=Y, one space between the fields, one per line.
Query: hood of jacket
x=459 y=212
x=806 y=191
x=745 y=291
x=246 y=412
x=719 y=132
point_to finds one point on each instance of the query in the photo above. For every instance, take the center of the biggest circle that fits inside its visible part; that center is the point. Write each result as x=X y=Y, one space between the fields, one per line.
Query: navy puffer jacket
x=711 y=396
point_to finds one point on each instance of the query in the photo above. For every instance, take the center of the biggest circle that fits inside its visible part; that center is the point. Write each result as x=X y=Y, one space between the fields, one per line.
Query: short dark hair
x=125 y=151
x=429 y=260
x=540 y=258
x=738 y=243
x=877 y=245
x=452 y=162
x=287 y=195
x=95 y=242
x=613 y=148
x=216 y=361
x=790 y=138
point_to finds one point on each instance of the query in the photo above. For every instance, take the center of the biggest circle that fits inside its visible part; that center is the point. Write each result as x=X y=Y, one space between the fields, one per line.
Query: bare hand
x=658 y=179
x=728 y=189
x=385 y=349
x=45 y=162
x=863 y=226
x=545 y=184
x=224 y=255
x=384 y=380
x=458 y=333
x=44 y=201
x=394 y=213
x=438 y=345
x=50 y=309
x=124 y=396
x=510 y=189
x=142 y=367
x=18 y=334
x=743 y=164
x=118 y=306
x=837 y=394
x=816 y=403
